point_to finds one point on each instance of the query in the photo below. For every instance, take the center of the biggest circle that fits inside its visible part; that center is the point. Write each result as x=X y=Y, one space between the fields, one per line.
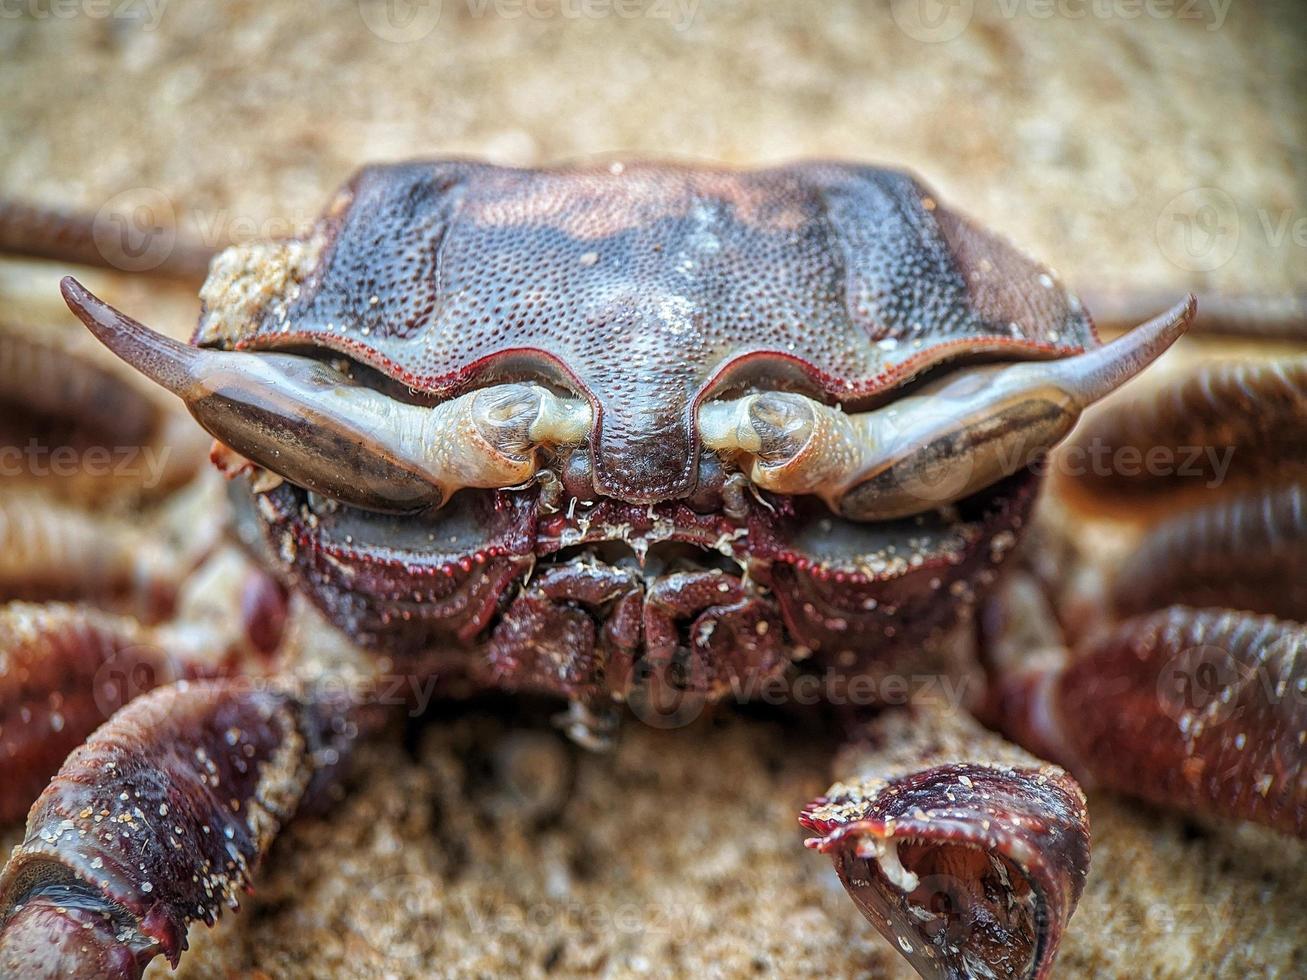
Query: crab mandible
x=606 y=434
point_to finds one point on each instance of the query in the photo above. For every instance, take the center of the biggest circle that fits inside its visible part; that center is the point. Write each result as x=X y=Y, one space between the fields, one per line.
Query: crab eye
x=953 y=437
x=306 y=421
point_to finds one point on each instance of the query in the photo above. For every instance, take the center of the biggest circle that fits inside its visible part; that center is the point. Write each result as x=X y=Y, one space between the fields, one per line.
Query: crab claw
x=944 y=442
x=158 y=821
x=303 y=420
x=965 y=853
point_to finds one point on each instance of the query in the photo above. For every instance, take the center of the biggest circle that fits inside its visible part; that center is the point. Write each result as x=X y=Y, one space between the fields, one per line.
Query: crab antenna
x=316 y=427
x=951 y=438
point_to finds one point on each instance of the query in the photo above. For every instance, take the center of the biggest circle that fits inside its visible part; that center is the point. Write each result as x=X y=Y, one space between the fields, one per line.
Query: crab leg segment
x=965 y=853
x=1227 y=419
x=1200 y=709
x=1248 y=552
x=63 y=671
x=156 y=822
x=306 y=421
x=952 y=438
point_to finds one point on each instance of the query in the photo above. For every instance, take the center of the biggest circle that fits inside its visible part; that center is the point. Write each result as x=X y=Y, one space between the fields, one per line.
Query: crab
x=636 y=437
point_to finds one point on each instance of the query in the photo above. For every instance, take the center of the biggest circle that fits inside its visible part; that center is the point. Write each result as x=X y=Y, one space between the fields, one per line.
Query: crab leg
x=1225 y=419
x=945 y=442
x=1249 y=552
x=966 y=853
x=49 y=550
x=1199 y=709
x=157 y=822
x=1265 y=316
x=65 y=669
x=304 y=420
x=45 y=233
x=73 y=418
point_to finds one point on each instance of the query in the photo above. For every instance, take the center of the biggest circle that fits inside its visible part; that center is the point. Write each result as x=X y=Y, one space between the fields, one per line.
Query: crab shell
x=646 y=289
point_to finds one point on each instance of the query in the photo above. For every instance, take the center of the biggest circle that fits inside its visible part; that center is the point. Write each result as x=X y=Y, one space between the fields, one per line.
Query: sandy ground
x=1163 y=150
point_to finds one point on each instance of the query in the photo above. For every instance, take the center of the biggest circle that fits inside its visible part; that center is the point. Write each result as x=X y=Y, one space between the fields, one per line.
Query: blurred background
x=1151 y=146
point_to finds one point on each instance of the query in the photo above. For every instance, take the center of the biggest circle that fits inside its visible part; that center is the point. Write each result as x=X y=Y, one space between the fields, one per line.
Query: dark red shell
x=647 y=287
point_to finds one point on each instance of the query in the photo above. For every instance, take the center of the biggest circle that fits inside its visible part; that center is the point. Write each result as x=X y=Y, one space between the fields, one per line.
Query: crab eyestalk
x=304 y=420
x=952 y=438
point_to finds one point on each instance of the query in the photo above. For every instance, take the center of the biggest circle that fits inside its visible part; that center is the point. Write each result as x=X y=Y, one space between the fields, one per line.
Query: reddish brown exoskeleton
x=635 y=432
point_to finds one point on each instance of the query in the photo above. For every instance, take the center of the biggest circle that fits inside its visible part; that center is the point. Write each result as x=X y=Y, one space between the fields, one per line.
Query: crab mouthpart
x=302 y=419
x=948 y=440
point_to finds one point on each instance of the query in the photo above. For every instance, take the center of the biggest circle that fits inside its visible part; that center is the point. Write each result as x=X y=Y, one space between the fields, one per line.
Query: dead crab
x=640 y=434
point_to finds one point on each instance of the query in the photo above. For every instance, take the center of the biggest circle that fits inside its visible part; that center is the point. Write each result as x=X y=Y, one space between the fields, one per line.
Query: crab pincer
x=966 y=853
x=156 y=822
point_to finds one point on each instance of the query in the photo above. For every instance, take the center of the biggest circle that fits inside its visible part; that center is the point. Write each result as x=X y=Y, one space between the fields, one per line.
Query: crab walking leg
x=303 y=420
x=64 y=669
x=157 y=822
x=1200 y=709
x=46 y=233
x=1221 y=420
x=122 y=437
x=48 y=373
x=49 y=550
x=1248 y=552
x=966 y=853
x=952 y=438
x=1265 y=316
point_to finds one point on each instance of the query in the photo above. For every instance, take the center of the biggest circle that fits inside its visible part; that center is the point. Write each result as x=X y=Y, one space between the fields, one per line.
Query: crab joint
x=950 y=439
x=303 y=420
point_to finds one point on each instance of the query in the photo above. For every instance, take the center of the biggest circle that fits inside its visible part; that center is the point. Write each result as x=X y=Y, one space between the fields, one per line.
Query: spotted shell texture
x=646 y=288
